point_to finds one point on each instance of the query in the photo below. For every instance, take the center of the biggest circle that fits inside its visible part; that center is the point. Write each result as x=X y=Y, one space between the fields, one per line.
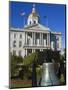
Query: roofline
x=15 y=28
x=28 y=26
x=15 y=31
x=57 y=33
x=32 y=30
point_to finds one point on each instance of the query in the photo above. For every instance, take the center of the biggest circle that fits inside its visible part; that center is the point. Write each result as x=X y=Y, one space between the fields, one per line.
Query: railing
x=36 y=46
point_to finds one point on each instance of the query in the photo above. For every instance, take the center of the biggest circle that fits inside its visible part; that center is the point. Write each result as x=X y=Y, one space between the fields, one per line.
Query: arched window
x=20 y=35
x=20 y=43
x=34 y=22
x=14 y=35
x=14 y=43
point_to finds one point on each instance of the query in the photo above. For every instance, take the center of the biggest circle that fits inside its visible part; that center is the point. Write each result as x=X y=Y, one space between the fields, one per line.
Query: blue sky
x=54 y=12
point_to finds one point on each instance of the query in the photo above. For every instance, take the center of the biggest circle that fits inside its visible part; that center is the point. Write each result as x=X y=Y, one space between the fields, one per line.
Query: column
x=34 y=38
x=25 y=38
x=40 y=49
x=40 y=39
x=25 y=52
x=32 y=50
x=60 y=42
x=48 y=39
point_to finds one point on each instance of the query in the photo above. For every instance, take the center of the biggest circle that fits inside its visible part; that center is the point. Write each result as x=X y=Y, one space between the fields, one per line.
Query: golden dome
x=33 y=14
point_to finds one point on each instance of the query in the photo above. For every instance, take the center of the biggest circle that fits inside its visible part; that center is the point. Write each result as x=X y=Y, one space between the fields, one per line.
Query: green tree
x=56 y=56
x=14 y=61
x=28 y=60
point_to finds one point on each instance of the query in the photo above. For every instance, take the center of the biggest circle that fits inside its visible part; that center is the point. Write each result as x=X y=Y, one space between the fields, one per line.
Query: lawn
x=20 y=83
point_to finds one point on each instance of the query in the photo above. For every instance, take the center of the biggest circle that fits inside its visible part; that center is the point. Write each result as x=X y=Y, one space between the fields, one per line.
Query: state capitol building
x=33 y=36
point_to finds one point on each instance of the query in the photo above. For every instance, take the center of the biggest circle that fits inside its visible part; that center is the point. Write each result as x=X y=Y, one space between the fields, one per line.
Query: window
x=30 y=22
x=44 y=42
x=14 y=35
x=57 y=38
x=52 y=45
x=14 y=43
x=14 y=52
x=57 y=45
x=20 y=53
x=20 y=43
x=28 y=41
x=34 y=22
x=20 y=35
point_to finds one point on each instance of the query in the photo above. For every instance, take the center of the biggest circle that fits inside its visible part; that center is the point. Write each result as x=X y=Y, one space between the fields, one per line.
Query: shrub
x=14 y=61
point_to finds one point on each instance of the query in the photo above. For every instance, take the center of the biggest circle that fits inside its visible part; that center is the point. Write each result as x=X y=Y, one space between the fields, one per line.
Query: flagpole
x=24 y=20
x=46 y=20
x=23 y=14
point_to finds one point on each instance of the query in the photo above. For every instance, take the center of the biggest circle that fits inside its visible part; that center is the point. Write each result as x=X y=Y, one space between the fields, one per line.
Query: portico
x=36 y=40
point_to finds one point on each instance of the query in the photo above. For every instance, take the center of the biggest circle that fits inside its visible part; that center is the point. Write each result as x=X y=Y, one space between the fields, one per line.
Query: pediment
x=37 y=27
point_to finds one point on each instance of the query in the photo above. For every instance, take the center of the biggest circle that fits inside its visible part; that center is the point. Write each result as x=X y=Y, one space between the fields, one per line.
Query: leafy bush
x=37 y=57
x=14 y=61
x=28 y=60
